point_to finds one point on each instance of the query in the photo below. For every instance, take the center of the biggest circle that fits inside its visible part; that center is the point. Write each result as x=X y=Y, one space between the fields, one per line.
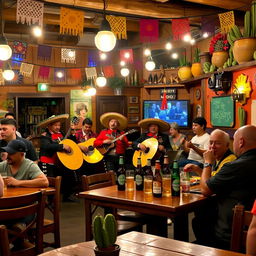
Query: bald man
x=220 y=153
x=233 y=184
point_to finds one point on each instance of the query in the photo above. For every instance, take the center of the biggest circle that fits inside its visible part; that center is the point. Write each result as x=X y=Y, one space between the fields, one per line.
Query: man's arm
x=1 y=186
x=40 y=181
x=199 y=151
x=251 y=238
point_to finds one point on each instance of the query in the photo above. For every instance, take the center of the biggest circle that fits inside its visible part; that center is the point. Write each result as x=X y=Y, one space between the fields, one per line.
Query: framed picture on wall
x=134 y=99
x=133 y=119
x=133 y=110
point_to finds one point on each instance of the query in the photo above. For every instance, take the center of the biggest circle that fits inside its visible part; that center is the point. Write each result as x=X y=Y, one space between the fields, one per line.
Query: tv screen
x=177 y=111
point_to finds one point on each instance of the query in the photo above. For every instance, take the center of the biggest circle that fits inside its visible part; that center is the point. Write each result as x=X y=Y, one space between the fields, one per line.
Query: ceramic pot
x=196 y=69
x=113 y=251
x=204 y=57
x=184 y=73
x=243 y=49
x=219 y=58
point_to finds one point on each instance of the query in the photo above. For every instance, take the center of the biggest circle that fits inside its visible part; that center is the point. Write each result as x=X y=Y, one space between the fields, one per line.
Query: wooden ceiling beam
x=142 y=7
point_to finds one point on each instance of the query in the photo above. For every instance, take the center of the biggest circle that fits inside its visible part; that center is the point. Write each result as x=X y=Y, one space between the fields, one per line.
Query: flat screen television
x=177 y=111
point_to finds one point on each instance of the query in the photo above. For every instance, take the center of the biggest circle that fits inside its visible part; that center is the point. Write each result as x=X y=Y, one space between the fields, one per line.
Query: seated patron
x=20 y=171
x=198 y=144
x=10 y=115
x=176 y=138
x=233 y=184
x=155 y=128
x=251 y=235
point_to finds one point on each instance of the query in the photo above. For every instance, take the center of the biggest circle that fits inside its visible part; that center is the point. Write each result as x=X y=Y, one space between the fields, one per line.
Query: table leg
x=88 y=220
x=181 y=227
x=157 y=225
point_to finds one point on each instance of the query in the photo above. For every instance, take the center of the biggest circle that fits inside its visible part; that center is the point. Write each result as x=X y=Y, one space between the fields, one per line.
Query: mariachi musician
x=114 y=123
x=155 y=128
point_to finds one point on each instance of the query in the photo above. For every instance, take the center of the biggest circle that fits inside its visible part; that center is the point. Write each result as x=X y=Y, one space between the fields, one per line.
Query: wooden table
x=135 y=243
x=20 y=191
x=176 y=208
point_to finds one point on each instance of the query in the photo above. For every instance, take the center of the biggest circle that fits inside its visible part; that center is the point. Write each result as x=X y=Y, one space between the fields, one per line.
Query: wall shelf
x=159 y=86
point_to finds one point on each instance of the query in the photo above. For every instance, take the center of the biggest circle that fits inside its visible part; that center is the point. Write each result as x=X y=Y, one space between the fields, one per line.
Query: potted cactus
x=105 y=233
x=184 y=71
x=244 y=45
x=196 y=68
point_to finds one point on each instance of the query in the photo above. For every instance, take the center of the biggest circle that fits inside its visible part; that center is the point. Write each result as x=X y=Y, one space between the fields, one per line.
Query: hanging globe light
x=125 y=72
x=5 y=49
x=8 y=74
x=37 y=31
x=150 y=64
x=101 y=81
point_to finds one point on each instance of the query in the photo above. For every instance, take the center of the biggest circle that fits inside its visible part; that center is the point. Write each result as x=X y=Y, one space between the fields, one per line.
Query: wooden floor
x=72 y=224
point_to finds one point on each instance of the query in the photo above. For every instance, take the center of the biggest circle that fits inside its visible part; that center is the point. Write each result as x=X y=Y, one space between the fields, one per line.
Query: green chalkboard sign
x=222 y=111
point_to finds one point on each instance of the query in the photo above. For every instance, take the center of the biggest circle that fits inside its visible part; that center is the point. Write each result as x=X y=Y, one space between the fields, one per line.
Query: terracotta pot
x=113 y=251
x=219 y=58
x=243 y=49
x=196 y=69
x=184 y=73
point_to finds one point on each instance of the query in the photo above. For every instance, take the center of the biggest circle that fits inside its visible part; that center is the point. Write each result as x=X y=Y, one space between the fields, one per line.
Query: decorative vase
x=196 y=69
x=184 y=73
x=113 y=251
x=243 y=49
x=118 y=91
x=219 y=58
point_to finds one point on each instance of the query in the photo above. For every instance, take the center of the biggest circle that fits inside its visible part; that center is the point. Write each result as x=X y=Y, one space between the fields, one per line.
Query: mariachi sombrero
x=105 y=118
x=53 y=119
x=163 y=126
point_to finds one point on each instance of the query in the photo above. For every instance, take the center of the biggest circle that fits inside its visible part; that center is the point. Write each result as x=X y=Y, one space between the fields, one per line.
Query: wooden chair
x=16 y=208
x=52 y=225
x=241 y=222
x=102 y=180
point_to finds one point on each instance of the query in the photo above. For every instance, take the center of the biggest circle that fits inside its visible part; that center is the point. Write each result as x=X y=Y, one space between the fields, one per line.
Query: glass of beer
x=184 y=181
x=129 y=178
x=166 y=184
x=148 y=182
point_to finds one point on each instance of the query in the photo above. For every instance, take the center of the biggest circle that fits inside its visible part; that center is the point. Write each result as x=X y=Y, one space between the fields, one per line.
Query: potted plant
x=244 y=45
x=196 y=68
x=105 y=233
x=117 y=83
x=184 y=71
x=219 y=47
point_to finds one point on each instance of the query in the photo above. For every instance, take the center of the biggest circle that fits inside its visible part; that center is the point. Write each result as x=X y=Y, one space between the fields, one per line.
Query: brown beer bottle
x=166 y=168
x=139 y=175
x=148 y=169
x=157 y=180
x=121 y=174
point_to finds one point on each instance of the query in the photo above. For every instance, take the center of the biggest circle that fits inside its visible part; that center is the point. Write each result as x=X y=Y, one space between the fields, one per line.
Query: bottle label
x=121 y=179
x=176 y=185
x=157 y=189
x=138 y=179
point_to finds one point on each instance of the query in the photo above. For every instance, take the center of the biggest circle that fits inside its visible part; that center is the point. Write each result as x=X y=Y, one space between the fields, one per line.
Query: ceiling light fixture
x=168 y=46
x=125 y=72
x=5 y=49
x=150 y=64
x=147 y=52
x=105 y=40
x=37 y=31
x=101 y=80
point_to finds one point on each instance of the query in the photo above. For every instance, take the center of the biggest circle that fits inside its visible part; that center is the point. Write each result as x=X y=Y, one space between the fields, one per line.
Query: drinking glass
x=148 y=182
x=184 y=181
x=129 y=180
x=166 y=184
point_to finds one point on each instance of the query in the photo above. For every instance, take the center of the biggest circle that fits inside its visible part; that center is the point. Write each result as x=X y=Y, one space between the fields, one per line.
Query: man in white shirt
x=198 y=144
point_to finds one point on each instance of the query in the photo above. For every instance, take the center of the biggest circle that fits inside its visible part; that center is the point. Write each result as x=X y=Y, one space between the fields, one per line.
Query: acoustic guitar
x=93 y=155
x=105 y=148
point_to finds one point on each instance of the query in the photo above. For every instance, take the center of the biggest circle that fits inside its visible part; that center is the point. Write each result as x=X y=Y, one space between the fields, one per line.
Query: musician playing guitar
x=154 y=128
x=114 y=123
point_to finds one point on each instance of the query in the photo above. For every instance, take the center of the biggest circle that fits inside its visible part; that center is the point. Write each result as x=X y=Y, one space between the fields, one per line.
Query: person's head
x=8 y=129
x=244 y=139
x=9 y=115
x=154 y=106
x=81 y=109
x=199 y=125
x=87 y=125
x=113 y=124
x=54 y=127
x=16 y=151
x=174 y=129
x=219 y=143
x=153 y=128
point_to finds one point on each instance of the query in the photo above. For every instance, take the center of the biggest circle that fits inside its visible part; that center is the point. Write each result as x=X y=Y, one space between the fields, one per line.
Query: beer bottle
x=147 y=169
x=139 y=175
x=166 y=169
x=175 y=179
x=121 y=174
x=157 y=180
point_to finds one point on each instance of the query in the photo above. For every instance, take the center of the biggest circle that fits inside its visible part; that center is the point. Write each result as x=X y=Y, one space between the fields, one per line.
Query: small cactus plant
x=196 y=55
x=104 y=231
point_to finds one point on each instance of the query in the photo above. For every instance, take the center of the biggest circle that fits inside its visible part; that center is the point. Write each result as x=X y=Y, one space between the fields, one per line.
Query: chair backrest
x=4 y=242
x=99 y=180
x=241 y=222
x=17 y=208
